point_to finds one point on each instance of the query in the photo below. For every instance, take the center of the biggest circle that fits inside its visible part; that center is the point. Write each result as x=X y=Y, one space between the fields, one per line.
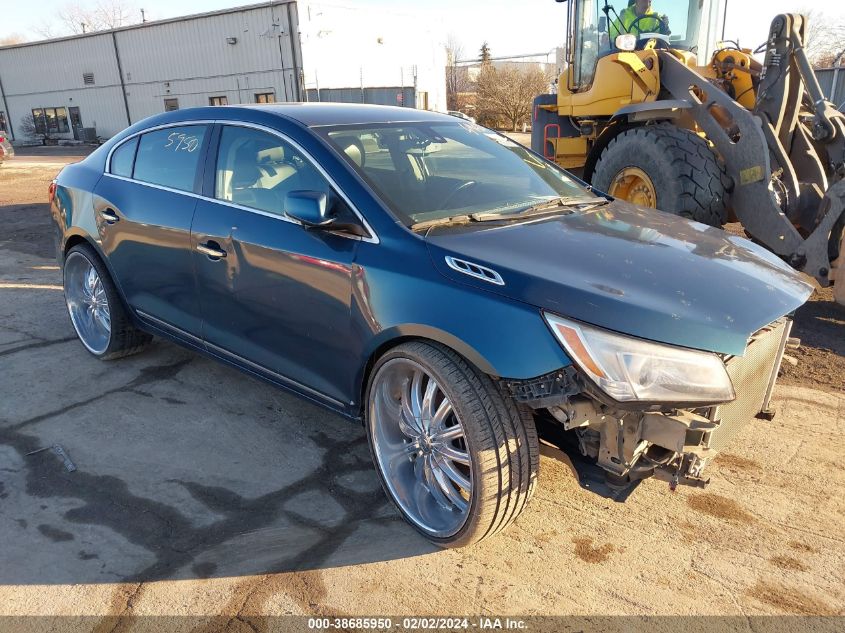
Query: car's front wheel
x=457 y=456
x=95 y=308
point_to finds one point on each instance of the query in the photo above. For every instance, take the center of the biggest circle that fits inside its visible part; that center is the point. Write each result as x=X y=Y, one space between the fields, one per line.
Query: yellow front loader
x=650 y=110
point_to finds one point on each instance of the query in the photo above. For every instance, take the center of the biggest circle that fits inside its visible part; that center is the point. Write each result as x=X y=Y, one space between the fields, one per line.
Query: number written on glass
x=179 y=141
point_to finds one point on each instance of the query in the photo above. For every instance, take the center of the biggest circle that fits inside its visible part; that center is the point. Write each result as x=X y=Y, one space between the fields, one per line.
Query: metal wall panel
x=200 y=48
x=393 y=96
x=58 y=65
x=148 y=99
x=50 y=74
x=236 y=53
x=826 y=76
x=233 y=53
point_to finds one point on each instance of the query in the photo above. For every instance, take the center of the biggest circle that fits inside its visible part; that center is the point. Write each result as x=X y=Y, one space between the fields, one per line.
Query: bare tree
x=12 y=38
x=824 y=39
x=28 y=128
x=74 y=18
x=457 y=81
x=506 y=92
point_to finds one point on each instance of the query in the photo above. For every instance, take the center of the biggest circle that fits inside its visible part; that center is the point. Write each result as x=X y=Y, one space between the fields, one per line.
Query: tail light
x=2 y=139
x=52 y=191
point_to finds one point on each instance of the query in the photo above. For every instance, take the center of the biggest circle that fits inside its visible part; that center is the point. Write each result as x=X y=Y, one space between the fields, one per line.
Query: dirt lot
x=202 y=491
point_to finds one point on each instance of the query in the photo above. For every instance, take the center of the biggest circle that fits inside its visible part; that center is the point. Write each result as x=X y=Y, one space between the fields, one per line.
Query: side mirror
x=311 y=208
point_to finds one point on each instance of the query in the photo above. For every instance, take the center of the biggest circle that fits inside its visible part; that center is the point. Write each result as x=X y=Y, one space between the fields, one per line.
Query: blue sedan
x=433 y=280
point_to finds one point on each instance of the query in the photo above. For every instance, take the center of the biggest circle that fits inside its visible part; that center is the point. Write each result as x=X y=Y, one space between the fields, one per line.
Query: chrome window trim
x=371 y=239
x=151 y=129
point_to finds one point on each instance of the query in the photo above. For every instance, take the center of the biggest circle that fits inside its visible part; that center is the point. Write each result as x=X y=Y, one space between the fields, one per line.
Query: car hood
x=639 y=272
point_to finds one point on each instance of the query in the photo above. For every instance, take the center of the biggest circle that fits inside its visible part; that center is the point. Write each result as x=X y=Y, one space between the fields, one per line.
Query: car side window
x=169 y=157
x=123 y=158
x=257 y=170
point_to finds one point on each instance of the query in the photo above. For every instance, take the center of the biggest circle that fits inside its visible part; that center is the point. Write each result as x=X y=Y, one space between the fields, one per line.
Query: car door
x=144 y=206
x=275 y=296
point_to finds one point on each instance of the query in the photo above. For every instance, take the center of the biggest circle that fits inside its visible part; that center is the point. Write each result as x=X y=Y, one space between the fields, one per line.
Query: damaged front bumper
x=678 y=443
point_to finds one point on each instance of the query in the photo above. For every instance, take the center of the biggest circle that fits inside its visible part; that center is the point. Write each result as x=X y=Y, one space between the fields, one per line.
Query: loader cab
x=595 y=24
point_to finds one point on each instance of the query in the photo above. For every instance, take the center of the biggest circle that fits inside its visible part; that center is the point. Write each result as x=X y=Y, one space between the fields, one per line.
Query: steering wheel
x=661 y=35
x=465 y=186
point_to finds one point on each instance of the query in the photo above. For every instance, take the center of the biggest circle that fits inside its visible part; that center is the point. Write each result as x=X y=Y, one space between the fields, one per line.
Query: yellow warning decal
x=752 y=174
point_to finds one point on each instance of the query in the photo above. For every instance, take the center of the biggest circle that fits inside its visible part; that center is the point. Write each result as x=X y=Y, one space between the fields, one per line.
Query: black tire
x=501 y=439
x=124 y=338
x=688 y=178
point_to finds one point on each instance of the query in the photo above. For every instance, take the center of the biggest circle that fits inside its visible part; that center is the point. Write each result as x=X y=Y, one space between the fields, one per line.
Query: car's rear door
x=144 y=205
x=275 y=296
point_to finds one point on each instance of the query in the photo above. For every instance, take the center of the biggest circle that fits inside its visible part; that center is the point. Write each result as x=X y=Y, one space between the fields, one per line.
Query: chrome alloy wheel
x=420 y=447
x=87 y=303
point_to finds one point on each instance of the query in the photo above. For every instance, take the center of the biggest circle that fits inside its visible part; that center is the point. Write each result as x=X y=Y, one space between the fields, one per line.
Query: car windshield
x=425 y=172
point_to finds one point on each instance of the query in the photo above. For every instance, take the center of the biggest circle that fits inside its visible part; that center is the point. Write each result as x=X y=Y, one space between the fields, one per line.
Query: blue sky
x=471 y=21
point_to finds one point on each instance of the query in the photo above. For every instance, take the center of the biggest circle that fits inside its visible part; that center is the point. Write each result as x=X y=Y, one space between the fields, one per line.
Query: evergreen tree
x=485 y=54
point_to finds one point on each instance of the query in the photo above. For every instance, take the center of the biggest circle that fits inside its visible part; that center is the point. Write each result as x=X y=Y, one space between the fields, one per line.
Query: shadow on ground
x=93 y=525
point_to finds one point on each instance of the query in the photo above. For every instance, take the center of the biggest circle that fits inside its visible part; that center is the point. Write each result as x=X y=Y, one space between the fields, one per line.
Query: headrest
x=272 y=155
x=244 y=167
x=352 y=147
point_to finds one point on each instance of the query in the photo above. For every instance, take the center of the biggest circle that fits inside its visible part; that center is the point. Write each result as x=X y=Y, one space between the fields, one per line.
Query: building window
x=218 y=101
x=265 y=97
x=171 y=104
x=50 y=120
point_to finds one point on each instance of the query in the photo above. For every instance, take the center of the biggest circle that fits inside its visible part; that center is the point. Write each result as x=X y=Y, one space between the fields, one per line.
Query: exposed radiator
x=753 y=376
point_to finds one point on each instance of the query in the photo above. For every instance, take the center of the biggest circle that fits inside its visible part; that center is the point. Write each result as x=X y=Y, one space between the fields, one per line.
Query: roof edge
x=143 y=25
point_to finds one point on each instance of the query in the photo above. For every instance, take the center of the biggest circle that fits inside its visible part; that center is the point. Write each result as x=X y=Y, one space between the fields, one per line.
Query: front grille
x=752 y=375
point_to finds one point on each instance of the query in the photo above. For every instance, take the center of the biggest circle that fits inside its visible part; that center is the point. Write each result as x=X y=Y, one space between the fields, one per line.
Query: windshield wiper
x=451 y=220
x=572 y=204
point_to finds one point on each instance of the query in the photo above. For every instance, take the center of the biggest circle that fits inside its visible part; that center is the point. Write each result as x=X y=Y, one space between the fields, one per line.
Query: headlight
x=631 y=369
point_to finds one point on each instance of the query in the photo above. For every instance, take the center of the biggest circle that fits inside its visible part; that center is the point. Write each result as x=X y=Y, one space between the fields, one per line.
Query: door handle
x=212 y=249
x=109 y=216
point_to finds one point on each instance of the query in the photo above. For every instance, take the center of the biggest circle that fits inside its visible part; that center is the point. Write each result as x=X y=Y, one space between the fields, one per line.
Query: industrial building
x=283 y=50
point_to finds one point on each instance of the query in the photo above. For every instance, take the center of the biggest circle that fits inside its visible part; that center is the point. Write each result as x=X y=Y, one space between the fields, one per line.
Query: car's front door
x=274 y=295
x=144 y=206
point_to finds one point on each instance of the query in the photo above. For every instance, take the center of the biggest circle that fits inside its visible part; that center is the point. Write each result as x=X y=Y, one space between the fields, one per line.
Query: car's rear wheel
x=95 y=308
x=457 y=456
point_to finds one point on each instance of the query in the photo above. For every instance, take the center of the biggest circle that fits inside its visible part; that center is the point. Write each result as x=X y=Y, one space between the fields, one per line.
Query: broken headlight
x=631 y=369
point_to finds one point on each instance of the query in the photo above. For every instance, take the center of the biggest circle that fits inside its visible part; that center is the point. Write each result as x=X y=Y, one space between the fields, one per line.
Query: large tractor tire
x=667 y=168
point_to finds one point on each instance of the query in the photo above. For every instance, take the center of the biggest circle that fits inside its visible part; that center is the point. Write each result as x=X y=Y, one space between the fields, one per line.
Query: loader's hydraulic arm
x=785 y=159
x=748 y=153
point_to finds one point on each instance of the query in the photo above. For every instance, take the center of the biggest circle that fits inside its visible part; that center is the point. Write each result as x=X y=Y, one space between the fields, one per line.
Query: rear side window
x=123 y=158
x=170 y=157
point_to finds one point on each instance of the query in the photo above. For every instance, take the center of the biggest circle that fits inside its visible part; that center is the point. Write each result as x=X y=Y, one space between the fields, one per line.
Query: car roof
x=309 y=115
x=319 y=114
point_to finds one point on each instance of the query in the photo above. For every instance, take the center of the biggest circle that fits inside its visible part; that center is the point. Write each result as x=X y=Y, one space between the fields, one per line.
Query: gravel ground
x=200 y=491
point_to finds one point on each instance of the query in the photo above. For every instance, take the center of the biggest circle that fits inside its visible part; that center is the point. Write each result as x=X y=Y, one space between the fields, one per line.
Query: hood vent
x=475 y=270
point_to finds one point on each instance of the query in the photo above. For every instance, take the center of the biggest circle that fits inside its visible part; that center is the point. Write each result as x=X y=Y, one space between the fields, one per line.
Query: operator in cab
x=638 y=17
